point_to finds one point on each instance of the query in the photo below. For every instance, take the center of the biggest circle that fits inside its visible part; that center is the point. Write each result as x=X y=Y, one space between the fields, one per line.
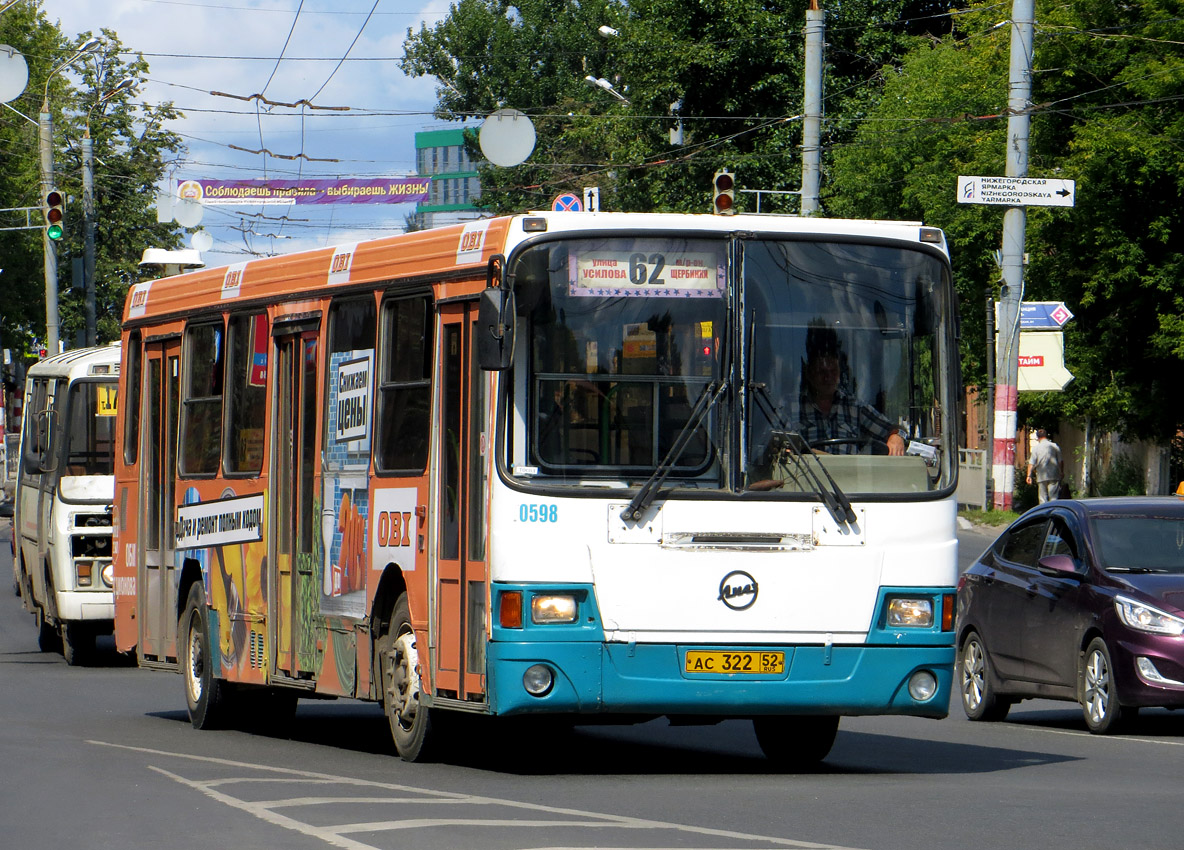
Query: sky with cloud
x=286 y=51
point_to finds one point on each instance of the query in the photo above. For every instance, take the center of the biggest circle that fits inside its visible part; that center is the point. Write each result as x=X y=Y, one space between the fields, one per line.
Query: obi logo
x=472 y=241
x=341 y=263
x=738 y=590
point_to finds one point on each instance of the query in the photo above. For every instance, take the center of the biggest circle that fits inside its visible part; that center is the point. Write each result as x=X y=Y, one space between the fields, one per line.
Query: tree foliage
x=1107 y=113
x=731 y=70
x=132 y=150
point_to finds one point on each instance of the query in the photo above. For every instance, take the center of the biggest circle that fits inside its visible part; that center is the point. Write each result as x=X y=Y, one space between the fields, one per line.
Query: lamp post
x=45 y=127
x=88 y=210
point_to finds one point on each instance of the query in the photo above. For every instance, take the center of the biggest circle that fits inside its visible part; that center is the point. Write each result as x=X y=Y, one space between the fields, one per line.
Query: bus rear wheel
x=796 y=742
x=398 y=658
x=205 y=694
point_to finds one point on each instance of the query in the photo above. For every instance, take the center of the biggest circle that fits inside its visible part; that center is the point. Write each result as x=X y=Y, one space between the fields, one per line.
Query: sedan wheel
x=979 y=700
x=1099 y=697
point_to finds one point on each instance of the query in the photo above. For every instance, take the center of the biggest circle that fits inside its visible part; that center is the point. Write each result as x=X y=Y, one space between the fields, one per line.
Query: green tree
x=734 y=67
x=1106 y=112
x=22 y=307
x=132 y=150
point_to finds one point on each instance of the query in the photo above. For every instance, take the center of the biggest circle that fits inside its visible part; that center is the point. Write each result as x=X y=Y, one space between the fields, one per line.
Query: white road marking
x=336 y=835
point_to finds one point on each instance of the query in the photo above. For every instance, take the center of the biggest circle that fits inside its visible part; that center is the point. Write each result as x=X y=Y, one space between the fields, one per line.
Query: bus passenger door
x=461 y=567
x=157 y=572
x=295 y=598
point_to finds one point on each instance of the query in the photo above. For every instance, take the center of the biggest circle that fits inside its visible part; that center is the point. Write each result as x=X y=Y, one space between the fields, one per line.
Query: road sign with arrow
x=1016 y=191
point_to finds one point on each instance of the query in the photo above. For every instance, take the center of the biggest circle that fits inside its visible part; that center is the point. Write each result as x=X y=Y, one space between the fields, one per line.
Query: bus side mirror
x=45 y=460
x=495 y=329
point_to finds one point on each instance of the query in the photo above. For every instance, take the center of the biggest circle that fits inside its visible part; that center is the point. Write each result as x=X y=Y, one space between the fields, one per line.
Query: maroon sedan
x=1082 y=600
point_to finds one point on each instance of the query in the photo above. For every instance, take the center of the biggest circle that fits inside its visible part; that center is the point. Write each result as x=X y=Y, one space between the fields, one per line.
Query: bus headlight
x=108 y=575
x=910 y=613
x=553 y=608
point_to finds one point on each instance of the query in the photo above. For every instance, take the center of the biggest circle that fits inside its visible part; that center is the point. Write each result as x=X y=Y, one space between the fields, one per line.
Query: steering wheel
x=850 y=441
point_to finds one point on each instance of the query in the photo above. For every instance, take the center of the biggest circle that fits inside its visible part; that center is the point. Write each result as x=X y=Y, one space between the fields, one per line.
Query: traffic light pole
x=45 y=127
x=1014 y=223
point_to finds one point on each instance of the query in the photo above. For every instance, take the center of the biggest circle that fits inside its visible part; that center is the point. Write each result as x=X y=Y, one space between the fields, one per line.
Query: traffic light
x=54 y=215
x=723 y=189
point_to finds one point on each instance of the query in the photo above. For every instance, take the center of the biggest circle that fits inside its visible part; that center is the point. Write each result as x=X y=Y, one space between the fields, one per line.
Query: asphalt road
x=104 y=757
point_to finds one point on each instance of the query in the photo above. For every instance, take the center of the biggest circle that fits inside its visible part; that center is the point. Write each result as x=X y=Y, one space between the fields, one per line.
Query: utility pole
x=812 y=108
x=1014 y=223
x=88 y=226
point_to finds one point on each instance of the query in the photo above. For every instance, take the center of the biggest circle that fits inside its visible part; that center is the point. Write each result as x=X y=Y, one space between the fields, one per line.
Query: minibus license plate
x=700 y=661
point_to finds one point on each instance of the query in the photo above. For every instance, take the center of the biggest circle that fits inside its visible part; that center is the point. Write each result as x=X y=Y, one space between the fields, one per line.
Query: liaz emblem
x=738 y=590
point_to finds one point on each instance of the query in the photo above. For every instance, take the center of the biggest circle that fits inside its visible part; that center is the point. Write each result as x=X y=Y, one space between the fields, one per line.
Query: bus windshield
x=837 y=350
x=624 y=335
x=90 y=429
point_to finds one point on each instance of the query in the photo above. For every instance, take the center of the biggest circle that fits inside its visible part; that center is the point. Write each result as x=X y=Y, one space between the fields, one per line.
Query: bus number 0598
x=538 y=513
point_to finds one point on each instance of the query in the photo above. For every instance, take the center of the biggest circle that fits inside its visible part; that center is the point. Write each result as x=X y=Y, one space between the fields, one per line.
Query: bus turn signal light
x=510 y=609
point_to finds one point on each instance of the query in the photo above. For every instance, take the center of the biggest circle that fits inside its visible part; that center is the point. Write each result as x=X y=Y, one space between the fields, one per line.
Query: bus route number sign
x=701 y=661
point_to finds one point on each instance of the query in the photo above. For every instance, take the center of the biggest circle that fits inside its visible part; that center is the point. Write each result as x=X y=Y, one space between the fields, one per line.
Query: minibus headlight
x=910 y=613
x=108 y=575
x=553 y=608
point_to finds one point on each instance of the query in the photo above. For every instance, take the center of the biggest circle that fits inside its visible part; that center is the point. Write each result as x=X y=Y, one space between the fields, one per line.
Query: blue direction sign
x=567 y=202
x=1043 y=315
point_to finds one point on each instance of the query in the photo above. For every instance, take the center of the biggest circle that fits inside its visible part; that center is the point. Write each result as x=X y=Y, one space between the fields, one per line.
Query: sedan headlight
x=910 y=613
x=1144 y=618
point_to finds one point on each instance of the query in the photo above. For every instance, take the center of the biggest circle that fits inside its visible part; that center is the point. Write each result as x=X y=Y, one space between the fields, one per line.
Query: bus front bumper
x=650 y=679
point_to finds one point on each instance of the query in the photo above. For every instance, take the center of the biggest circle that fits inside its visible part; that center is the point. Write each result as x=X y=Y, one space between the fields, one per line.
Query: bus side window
x=201 y=399
x=352 y=325
x=131 y=409
x=247 y=393
x=405 y=377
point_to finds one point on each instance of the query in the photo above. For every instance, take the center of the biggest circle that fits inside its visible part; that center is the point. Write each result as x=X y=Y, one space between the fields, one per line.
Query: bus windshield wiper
x=794 y=445
x=709 y=395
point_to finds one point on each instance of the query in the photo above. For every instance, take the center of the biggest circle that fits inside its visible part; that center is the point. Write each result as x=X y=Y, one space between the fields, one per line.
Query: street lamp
x=45 y=126
x=88 y=209
x=602 y=83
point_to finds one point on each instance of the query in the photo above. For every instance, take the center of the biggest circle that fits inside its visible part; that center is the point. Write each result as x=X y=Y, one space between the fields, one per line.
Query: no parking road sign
x=567 y=202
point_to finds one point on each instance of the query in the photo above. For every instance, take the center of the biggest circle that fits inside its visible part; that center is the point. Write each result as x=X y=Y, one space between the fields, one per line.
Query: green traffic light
x=54 y=232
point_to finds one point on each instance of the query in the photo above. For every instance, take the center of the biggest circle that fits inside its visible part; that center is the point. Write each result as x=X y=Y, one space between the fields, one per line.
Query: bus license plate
x=699 y=661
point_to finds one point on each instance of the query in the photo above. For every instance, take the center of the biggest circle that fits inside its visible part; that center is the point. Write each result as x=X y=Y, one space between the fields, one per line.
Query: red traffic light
x=723 y=186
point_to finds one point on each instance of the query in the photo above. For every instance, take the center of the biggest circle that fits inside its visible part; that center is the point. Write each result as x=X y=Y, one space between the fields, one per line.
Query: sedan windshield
x=1153 y=543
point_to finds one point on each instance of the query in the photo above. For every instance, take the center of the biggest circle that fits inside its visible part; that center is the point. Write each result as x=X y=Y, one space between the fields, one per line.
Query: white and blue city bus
x=595 y=466
x=672 y=533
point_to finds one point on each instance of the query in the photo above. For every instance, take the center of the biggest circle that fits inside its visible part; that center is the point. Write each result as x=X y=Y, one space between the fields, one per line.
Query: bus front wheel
x=205 y=693
x=796 y=742
x=78 y=643
x=398 y=657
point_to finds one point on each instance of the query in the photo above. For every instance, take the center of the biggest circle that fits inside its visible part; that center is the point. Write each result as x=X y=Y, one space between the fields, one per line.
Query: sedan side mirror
x=1059 y=566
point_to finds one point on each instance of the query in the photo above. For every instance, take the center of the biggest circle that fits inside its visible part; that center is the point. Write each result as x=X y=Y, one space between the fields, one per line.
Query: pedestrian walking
x=1047 y=464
